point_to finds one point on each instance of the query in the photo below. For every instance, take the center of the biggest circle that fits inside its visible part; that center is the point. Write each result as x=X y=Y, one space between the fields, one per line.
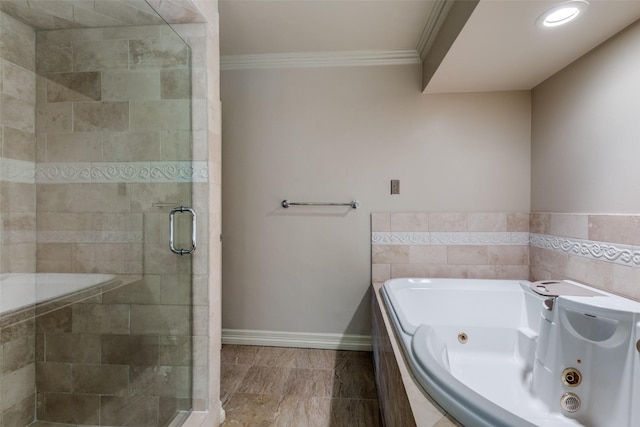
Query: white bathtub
x=492 y=353
x=22 y=290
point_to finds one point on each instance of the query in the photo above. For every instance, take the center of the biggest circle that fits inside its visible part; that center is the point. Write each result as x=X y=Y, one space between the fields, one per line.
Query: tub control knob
x=571 y=377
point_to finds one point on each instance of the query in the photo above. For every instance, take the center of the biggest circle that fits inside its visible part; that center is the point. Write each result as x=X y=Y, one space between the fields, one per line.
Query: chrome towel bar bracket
x=354 y=204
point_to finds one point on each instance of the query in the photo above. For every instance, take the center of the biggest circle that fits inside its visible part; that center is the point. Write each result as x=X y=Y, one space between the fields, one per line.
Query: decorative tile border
x=102 y=172
x=450 y=238
x=616 y=253
x=12 y=170
x=118 y=172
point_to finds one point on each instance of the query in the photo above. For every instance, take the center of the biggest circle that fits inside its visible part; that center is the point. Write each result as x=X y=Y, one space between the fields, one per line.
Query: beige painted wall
x=334 y=134
x=585 y=132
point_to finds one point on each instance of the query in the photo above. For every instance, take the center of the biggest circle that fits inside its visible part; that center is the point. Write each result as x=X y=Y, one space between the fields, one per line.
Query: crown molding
x=359 y=58
x=433 y=25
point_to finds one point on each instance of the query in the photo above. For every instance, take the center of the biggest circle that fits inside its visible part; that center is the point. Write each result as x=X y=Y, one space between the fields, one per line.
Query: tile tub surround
x=457 y=244
x=398 y=390
x=293 y=387
x=600 y=250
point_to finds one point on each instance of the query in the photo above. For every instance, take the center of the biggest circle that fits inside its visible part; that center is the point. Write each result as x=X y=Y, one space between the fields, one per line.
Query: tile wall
x=457 y=244
x=113 y=122
x=17 y=144
x=115 y=359
x=600 y=250
x=17 y=214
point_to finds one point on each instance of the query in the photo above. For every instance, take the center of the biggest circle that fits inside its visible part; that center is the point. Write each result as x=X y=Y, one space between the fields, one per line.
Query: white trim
x=433 y=25
x=320 y=59
x=296 y=339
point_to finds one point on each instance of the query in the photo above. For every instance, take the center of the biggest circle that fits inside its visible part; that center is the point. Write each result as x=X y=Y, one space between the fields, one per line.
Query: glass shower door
x=100 y=94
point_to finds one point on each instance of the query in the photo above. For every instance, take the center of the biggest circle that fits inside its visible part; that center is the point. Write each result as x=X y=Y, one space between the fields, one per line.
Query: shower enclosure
x=96 y=163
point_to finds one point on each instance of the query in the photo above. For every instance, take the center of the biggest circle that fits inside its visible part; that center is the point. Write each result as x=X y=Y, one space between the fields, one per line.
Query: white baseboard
x=296 y=339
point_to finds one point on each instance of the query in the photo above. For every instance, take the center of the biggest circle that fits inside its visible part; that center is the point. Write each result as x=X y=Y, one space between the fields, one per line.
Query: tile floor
x=288 y=387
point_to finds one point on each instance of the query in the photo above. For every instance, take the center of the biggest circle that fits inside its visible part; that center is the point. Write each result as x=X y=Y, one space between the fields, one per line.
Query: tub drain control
x=571 y=377
x=570 y=402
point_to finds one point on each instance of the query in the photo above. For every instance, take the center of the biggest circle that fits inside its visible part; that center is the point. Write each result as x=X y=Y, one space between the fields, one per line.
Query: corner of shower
x=96 y=187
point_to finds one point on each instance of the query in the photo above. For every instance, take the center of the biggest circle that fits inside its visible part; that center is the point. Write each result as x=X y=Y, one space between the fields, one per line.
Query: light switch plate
x=395 y=186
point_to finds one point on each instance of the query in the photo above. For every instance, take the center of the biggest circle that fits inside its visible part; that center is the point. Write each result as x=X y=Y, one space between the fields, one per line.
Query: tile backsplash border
x=602 y=250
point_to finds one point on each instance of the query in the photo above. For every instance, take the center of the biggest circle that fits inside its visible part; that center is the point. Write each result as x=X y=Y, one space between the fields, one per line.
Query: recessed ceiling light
x=562 y=14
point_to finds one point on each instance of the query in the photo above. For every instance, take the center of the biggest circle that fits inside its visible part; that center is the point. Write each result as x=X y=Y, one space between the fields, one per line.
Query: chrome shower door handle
x=172 y=215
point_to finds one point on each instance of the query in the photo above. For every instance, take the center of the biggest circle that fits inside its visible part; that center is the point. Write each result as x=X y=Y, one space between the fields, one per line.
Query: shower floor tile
x=289 y=387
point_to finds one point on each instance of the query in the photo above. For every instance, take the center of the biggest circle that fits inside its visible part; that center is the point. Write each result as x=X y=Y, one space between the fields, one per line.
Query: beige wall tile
x=449 y=271
x=160 y=320
x=54 y=197
x=159 y=53
x=131 y=146
x=447 y=221
x=19 y=144
x=128 y=411
x=467 y=255
x=73 y=348
x=410 y=221
x=508 y=255
x=17 y=113
x=20 y=414
x=17 y=385
x=176 y=145
x=623 y=229
x=100 y=319
x=145 y=291
x=74 y=147
x=487 y=221
x=175 y=83
x=553 y=262
x=481 y=271
x=129 y=350
x=124 y=85
x=410 y=270
x=17 y=354
x=97 y=55
x=100 y=379
x=136 y=32
x=54 y=377
x=512 y=272
x=19 y=82
x=569 y=225
x=17 y=197
x=518 y=222
x=54 y=52
x=380 y=272
x=71 y=408
x=381 y=222
x=99 y=258
x=18 y=42
x=99 y=198
x=55 y=117
x=65 y=87
x=540 y=222
x=626 y=281
x=591 y=272
x=100 y=116
x=160 y=115
x=390 y=254
x=430 y=254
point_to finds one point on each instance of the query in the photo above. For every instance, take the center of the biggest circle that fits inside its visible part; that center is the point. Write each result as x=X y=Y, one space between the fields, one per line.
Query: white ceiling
x=500 y=48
